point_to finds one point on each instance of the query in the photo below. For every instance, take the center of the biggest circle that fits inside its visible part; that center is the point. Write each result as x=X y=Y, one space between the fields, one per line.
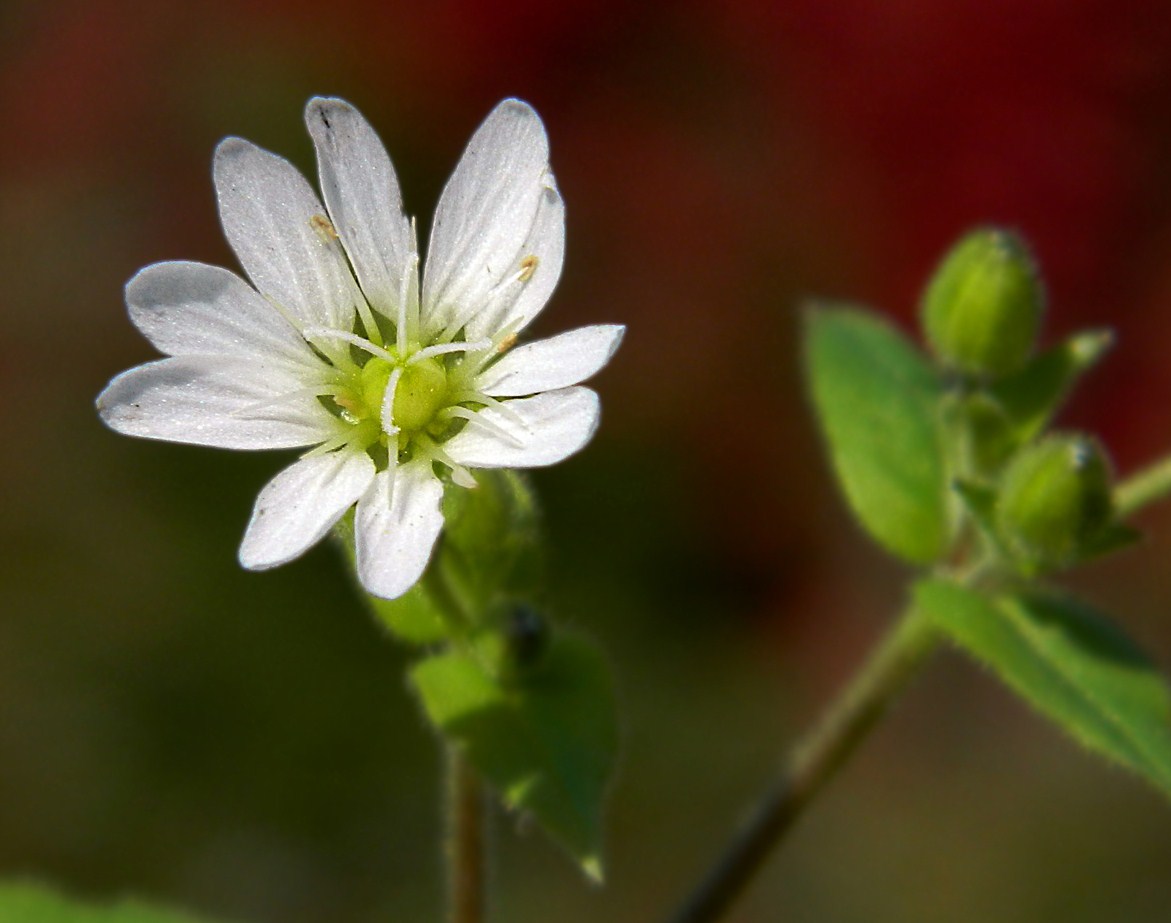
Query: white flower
x=396 y=385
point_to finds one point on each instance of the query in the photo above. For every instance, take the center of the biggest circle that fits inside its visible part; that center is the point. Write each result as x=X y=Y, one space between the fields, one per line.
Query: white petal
x=281 y=235
x=397 y=523
x=363 y=197
x=486 y=217
x=229 y=403
x=544 y=429
x=297 y=507
x=557 y=362
x=189 y=309
x=536 y=272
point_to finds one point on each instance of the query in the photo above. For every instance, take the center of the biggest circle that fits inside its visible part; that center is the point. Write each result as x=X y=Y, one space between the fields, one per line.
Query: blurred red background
x=243 y=744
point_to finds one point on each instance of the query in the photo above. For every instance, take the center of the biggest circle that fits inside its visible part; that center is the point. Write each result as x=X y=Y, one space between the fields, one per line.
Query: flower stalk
x=465 y=848
x=813 y=763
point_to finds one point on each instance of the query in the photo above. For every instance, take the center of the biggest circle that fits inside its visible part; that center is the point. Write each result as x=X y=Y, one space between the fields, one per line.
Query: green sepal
x=491 y=545
x=27 y=902
x=415 y=617
x=876 y=399
x=545 y=738
x=1115 y=537
x=1069 y=663
x=1032 y=397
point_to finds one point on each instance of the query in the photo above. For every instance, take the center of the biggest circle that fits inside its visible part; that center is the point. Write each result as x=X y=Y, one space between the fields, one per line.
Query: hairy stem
x=1150 y=484
x=465 y=841
x=815 y=760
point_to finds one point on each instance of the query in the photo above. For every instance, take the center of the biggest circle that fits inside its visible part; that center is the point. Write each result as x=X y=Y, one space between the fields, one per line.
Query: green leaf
x=877 y=399
x=26 y=902
x=1032 y=397
x=1071 y=664
x=547 y=741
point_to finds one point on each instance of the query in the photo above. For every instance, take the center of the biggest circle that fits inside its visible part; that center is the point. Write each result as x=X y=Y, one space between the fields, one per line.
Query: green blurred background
x=245 y=744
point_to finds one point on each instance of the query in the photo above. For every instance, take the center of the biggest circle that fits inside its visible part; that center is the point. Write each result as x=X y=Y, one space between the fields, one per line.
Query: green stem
x=465 y=841
x=1150 y=484
x=891 y=666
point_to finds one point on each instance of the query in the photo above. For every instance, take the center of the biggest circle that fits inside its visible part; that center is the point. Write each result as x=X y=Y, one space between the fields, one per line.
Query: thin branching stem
x=1150 y=484
x=849 y=719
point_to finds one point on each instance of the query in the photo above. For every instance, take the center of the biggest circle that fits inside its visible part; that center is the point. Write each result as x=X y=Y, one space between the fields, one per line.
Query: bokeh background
x=245 y=744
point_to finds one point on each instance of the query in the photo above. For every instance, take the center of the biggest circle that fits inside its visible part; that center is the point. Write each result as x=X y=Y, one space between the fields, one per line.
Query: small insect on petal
x=527 y=267
x=324 y=228
x=506 y=344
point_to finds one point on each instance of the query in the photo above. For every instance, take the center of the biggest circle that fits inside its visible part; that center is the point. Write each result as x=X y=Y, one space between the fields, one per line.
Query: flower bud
x=982 y=308
x=1055 y=499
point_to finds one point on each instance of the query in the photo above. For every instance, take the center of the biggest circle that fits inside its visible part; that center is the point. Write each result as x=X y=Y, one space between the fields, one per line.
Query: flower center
x=419 y=394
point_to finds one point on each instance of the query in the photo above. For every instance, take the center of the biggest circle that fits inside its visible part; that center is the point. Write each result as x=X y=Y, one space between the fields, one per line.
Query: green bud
x=982 y=308
x=1055 y=501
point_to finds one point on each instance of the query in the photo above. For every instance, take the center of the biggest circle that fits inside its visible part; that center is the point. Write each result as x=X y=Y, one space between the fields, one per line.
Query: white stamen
x=478 y=361
x=483 y=420
x=401 y=333
x=499 y=299
x=442 y=348
x=327 y=333
x=479 y=397
x=459 y=473
x=368 y=320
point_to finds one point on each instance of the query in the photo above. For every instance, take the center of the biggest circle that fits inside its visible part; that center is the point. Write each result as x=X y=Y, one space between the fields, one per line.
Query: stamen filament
x=328 y=333
x=459 y=473
x=401 y=332
x=371 y=325
x=477 y=361
x=482 y=420
x=478 y=397
x=441 y=348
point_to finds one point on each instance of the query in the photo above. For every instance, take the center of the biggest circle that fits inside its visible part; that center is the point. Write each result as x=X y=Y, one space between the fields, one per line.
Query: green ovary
x=420 y=393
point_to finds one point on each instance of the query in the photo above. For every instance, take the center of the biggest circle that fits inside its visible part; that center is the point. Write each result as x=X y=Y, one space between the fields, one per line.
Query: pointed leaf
x=1071 y=664
x=546 y=741
x=1032 y=397
x=26 y=902
x=876 y=398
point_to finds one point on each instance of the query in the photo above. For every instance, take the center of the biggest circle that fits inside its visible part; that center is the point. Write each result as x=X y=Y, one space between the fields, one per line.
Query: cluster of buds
x=1044 y=501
